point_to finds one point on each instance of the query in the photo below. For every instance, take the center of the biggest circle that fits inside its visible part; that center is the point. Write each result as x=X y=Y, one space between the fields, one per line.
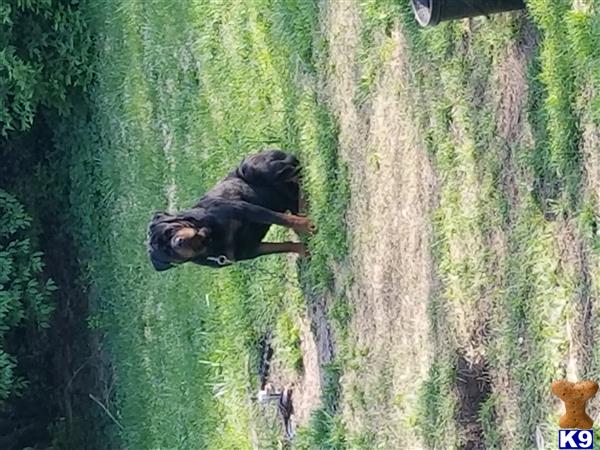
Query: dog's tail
x=269 y=167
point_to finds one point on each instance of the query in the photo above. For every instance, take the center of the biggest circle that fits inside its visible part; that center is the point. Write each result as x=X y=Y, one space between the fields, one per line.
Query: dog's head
x=175 y=239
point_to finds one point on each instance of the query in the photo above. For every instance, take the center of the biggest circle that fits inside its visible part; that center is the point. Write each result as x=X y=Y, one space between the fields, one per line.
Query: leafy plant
x=24 y=294
x=45 y=53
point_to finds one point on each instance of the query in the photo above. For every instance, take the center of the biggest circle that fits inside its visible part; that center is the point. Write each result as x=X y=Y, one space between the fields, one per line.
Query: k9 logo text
x=575 y=439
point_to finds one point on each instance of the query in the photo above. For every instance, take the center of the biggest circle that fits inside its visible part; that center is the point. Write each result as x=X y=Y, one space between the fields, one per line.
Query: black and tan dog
x=230 y=221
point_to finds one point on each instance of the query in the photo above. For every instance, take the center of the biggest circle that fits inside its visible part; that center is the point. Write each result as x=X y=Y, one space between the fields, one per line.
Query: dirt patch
x=511 y=100
x=319 y=326
x=317 y=350
x=511 y=79
x=473 y=387
x=307 y=387
x=388 y=219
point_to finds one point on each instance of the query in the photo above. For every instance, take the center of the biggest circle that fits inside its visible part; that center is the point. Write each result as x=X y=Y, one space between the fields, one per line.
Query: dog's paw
x=304 y=225
x=304 y=253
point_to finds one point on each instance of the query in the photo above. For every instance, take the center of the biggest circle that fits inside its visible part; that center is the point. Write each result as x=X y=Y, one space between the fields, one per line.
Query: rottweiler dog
x=230 y=221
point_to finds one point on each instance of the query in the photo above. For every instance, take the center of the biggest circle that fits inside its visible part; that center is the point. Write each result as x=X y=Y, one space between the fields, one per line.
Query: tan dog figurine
x=575 y=397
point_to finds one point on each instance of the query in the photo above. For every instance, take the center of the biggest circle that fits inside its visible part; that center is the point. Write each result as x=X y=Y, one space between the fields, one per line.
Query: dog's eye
x=177 y=241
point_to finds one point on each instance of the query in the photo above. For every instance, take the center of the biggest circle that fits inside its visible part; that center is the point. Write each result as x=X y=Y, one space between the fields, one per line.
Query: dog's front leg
x=301 y=225
x=234 y=226
x=269 y=248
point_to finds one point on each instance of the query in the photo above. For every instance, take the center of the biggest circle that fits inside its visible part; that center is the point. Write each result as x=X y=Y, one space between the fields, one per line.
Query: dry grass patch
x=391 y=184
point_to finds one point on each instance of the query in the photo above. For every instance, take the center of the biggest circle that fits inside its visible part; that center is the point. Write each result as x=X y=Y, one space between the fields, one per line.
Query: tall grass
x=184 y=91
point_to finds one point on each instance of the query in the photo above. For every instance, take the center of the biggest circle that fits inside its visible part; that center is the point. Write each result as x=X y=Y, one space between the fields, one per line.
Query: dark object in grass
x=432 y=12
x=285 y=407
x=230 y=221
x=266 y=353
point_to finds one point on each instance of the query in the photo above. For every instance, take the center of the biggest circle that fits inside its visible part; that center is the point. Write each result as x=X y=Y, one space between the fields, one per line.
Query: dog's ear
x=160 y=265
x=203 y=232
x=160 y=216
x=156 y=229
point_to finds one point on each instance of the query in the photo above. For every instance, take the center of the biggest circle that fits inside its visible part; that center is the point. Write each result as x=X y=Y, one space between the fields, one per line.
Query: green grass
x=527 y=293
x=185 y=90
x=519 y=293
x=288 y=339
x=326 y=429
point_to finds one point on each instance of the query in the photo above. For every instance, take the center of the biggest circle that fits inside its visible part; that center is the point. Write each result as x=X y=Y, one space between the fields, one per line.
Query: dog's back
x=267 y=179
x=268 y=168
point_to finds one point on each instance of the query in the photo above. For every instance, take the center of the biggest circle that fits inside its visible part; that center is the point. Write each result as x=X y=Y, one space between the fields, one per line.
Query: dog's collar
x=221 y=260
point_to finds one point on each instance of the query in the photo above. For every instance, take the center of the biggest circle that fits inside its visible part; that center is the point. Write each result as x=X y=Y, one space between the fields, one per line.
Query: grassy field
x=453 y=176
x=515 y=239
x=506 y=111
x=185 y=91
